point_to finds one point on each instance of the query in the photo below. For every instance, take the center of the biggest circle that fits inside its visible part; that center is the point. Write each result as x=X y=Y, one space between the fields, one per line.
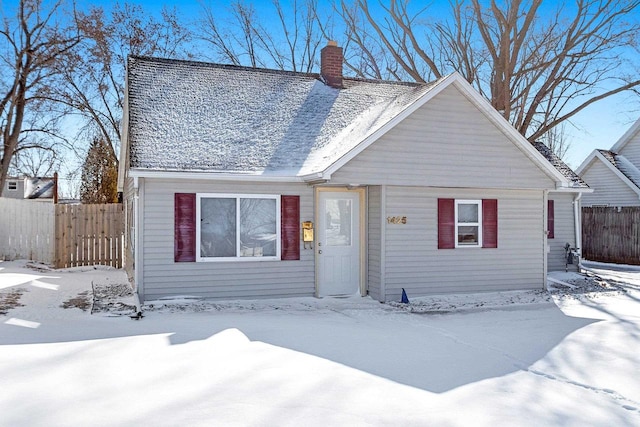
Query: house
x=32 y=188
x=614 y=175
x=13 y=188
x=254 y=183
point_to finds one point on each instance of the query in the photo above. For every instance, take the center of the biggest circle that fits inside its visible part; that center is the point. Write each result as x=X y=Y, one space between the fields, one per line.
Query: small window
x=12 y=185
x=468 y=223
x=231 y=227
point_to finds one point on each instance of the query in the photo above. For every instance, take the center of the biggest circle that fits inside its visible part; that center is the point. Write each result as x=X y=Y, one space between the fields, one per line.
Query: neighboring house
x=614 y=175
x=13 y=188
x=227 y=171
x=34 y=188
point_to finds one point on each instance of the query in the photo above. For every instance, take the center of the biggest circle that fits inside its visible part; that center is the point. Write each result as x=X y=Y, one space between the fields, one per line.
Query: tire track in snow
x=628 y=404
x=625 y=403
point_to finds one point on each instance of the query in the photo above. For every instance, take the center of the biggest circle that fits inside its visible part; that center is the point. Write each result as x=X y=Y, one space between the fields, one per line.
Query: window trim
x=9 y=185
x=238 y=196
x=478 y=224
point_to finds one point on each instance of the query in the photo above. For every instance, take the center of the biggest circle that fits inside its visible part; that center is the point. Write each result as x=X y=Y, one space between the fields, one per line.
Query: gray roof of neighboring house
x=194 y=116
x=574 y=179
x=623 y=164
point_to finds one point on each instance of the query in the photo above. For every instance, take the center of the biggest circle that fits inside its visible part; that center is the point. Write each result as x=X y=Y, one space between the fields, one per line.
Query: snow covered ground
x=70 y=355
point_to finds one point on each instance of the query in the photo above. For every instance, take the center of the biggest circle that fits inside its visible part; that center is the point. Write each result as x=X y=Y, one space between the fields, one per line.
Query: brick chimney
x=331 y=64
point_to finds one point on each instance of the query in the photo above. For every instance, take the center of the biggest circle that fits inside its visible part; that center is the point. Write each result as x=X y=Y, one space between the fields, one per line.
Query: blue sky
x=598 y=126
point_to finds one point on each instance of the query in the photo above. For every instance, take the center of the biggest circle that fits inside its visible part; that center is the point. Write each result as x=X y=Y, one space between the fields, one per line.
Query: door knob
x=320 y=251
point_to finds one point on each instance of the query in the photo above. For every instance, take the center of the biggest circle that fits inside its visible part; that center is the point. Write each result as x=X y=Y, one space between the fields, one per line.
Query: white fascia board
x=618 y=173
x=572 y=190
x=628 y=135
x=218 y=176
x=587 y=162
x=520 y=141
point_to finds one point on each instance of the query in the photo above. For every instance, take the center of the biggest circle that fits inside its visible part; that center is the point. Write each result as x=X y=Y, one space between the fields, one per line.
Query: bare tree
x=557 y=140
x=42 y=160
x=538 y=70
x=93 y=77
x=34 y=42
x=244 y=39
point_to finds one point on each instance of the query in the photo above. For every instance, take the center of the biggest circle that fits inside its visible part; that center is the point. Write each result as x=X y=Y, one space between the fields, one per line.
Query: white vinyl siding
x=447 y=142
x=608 y=187
x=631 y=150
x=564 y=224
x=251 y=279
x=413 y=261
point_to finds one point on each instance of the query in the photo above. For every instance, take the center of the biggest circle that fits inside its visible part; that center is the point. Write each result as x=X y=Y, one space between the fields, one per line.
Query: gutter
x=545 y=245
x=136 y=238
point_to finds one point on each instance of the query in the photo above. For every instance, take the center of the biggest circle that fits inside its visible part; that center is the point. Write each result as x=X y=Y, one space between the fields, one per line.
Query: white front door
x=338 y=243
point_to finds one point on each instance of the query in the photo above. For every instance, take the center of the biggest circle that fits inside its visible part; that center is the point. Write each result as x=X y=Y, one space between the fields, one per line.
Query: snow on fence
x=62 y=235
x=611 y=234
x=27 y=230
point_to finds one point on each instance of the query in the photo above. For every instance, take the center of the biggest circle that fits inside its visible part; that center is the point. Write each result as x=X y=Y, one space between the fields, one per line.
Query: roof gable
x=626 y=171
x=457 y=81
x=626 y=138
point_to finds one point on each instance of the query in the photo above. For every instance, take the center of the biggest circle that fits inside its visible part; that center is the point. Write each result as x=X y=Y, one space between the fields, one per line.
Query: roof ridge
x=206 y=64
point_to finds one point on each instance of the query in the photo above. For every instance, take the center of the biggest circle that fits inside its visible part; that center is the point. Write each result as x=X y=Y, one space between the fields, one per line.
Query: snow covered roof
x=573 y=178
x=620 y=162
x=193 y=116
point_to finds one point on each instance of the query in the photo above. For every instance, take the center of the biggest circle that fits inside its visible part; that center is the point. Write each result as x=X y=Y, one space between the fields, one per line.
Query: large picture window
x=237 y=227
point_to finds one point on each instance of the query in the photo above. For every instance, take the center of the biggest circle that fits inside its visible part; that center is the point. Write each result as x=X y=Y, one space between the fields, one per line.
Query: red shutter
x=184 y=237
x=550 y=219
x=489 y=223
x=289 y=229
x=446 y=224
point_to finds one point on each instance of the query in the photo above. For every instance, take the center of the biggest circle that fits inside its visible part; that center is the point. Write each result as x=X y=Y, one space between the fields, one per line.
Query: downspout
x=136 y=249
x=545 y=245
x=577 y=214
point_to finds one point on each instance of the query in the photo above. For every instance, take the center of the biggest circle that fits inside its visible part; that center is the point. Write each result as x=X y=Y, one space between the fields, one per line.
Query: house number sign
x=396 y=220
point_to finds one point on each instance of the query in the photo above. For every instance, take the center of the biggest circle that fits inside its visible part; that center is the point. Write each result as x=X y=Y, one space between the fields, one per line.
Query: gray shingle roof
x=623 y=164
x=194 y=116
x=565 y=170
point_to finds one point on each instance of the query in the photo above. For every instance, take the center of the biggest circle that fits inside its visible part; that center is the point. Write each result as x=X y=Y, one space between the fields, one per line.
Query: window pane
x=258 y=227
x=467 y=212
x=338 y=227
x=218 y=227
x=467 y=235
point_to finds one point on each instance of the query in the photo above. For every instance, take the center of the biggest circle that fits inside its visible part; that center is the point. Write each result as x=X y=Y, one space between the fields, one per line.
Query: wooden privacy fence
x=611 y=234
x=61 y=235
x=89 y=235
